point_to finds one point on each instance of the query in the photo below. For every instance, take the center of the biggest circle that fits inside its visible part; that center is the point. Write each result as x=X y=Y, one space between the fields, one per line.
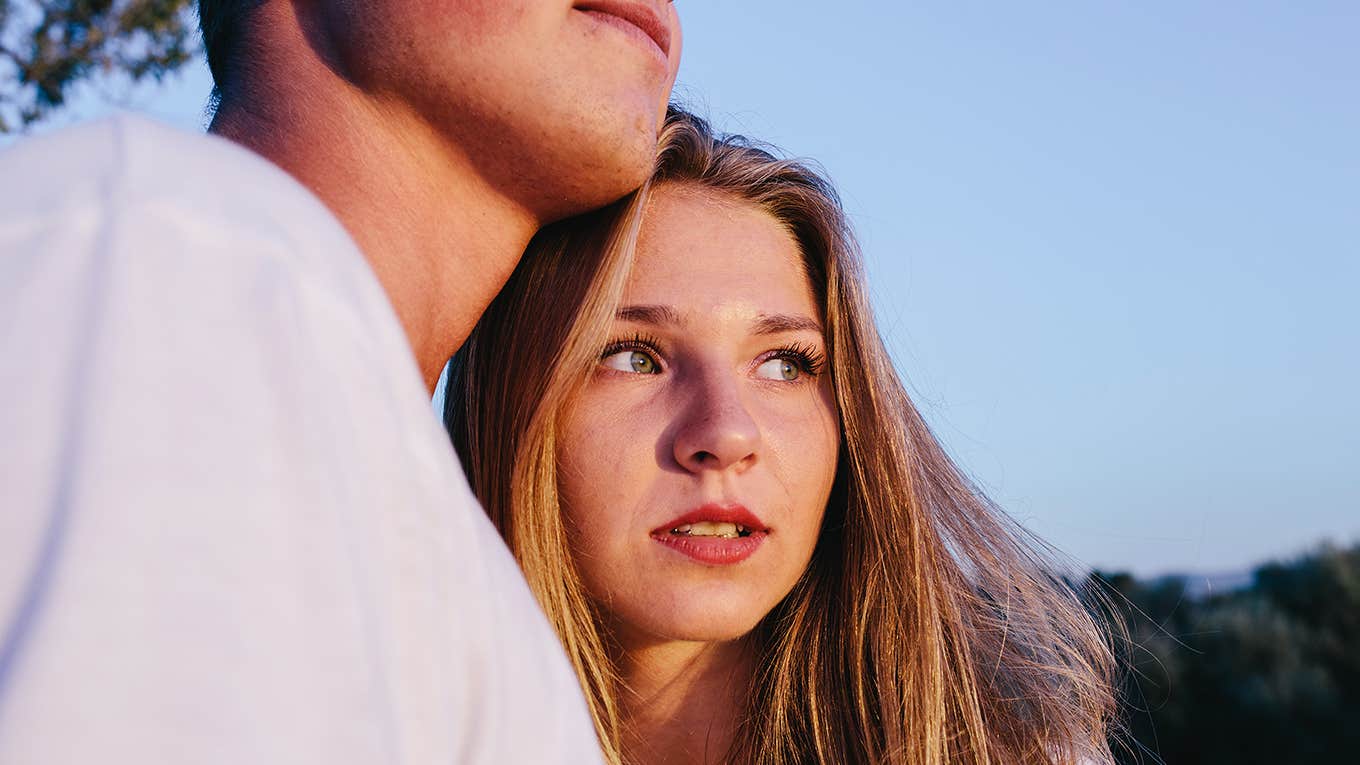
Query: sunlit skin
x=443 y=135
x=548 y=99
x=714 y=391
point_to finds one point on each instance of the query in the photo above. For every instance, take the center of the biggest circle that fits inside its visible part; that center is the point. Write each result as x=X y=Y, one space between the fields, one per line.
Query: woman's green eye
x=632 y=361
x=641 y=363
x=779 y=369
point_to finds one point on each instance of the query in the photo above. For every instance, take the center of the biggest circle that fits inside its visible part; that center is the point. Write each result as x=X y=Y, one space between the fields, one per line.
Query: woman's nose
x=718 y=431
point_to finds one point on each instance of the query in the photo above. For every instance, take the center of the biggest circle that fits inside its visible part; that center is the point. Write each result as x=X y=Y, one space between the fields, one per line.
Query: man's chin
x=613 y=178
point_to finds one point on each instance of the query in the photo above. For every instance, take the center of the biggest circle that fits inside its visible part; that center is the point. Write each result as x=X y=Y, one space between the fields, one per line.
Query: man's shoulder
x=131 y=167
x=136 y=154
x=186 y=252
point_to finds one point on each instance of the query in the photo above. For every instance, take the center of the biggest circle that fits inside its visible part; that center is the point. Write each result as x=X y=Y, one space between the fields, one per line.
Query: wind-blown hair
x=928 y=627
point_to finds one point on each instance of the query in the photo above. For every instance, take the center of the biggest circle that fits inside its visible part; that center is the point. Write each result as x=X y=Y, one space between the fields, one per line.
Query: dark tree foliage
x=48 y=46
x=1265 y=674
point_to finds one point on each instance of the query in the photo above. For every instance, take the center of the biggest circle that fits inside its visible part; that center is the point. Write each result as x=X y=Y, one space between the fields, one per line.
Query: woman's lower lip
x=714 y=551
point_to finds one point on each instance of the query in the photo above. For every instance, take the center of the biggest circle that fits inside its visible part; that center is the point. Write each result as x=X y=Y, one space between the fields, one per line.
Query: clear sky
x=1114 y=247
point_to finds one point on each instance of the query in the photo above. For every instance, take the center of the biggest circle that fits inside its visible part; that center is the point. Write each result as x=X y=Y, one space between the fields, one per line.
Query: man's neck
x=440 y=239
x=682 y=700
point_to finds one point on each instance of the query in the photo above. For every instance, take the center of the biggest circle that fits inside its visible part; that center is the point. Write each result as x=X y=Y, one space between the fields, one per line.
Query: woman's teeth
x=711 y=529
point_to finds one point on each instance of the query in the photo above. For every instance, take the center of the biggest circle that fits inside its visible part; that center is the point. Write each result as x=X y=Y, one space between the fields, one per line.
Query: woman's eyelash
x=637 y=342
x=806 y=357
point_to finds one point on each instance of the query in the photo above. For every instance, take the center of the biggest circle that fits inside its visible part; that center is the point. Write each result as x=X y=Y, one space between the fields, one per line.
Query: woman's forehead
x=704 y=251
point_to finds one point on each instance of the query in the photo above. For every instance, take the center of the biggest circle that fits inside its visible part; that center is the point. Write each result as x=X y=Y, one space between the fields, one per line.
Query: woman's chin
x=705 y=625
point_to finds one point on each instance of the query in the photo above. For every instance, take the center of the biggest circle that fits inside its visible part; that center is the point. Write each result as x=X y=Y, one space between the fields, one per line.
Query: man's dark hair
x=222 y=23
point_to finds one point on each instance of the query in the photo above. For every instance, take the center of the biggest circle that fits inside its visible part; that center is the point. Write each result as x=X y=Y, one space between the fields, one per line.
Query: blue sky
x=1114 y=247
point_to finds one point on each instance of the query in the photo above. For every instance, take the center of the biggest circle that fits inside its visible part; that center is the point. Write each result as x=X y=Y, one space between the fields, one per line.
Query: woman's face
x=696 y=465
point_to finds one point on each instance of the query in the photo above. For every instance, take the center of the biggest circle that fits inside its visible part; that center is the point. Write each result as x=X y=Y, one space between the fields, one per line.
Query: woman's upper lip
x=715 y=513
x=641 y=15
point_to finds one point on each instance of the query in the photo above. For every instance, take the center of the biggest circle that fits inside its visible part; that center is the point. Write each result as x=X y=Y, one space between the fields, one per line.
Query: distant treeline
x=1269 y=673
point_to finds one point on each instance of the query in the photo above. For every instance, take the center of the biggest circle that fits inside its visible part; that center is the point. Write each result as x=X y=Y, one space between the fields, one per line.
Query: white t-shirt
x=231 y=529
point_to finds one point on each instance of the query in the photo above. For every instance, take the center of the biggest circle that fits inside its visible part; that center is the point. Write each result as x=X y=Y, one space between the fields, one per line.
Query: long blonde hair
x=928 y=628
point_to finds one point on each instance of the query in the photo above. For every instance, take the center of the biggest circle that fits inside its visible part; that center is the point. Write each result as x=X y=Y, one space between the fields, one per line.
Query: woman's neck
x=682 y=701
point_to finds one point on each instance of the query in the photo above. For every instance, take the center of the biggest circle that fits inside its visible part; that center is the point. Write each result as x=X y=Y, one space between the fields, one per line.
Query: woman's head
x=696 y=462
x=900 y=617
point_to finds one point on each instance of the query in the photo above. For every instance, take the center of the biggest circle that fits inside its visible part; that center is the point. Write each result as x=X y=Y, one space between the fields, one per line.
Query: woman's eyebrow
x=648 y=314
x=772 y=324
x=766 y=324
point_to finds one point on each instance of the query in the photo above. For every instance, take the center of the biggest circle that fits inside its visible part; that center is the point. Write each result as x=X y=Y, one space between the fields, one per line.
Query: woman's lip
x=716 y=513
x=714 y=551
x=638 y=15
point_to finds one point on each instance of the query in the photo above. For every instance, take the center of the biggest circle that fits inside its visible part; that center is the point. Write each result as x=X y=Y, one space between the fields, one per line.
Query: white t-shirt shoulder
x=231 y=529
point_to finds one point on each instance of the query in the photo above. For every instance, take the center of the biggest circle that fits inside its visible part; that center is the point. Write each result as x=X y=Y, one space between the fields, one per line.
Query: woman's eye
x=779 y=369
x=632 y=361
